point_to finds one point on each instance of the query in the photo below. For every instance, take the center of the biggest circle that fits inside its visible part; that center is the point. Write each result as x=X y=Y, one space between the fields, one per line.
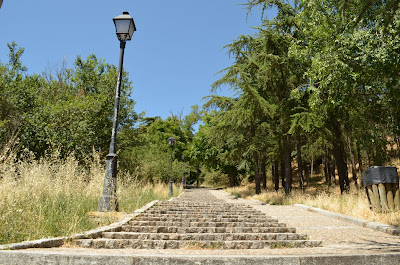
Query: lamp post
x=171 y=142
x=124 y=26
x=183 y=172
x=184 y=179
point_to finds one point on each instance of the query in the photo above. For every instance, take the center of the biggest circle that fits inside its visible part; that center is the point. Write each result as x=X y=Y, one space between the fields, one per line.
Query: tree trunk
x=353 y=162
x=198 y=174
x=397 y=145
x=326 y=169
x=232 y=173
x=288 y=165
x=232 y=178
x=300 y=163
x=256 y=172
x=330 y=169
x=338 y=152
x=312 y=167
x=360 y=163
x=264 y=172
x=306 y=173
x=276 y=174
x=333 y=171
x=367 y=156
x=283 y=173
x=273 y=173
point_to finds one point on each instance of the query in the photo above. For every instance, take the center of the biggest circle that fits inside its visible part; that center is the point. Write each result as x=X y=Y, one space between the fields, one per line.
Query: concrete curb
x=389 y=229
x=94 y=233
x=262 y=203
x=22 y=257
x=174 y=198
x=233 y=195
x=181 y=194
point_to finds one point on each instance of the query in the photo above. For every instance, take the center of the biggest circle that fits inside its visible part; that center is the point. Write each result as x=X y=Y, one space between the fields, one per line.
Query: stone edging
x=236 y=196
x=94 y=233
x=389 y=229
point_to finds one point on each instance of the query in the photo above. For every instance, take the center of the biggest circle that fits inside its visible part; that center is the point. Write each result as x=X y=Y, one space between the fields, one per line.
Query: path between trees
x=342 y=243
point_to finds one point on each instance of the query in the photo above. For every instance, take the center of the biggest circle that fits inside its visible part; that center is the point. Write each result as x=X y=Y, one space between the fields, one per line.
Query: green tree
x=71 y=111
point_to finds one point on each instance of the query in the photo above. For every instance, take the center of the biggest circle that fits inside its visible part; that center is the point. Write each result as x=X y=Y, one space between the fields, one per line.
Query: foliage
x=53 y=196
x=215 y=179
x=319 y=82
x=60 y=111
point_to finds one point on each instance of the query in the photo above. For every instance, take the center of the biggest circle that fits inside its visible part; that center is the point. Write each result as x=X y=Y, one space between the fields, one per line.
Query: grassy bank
x=353 y=204
x=52 y=197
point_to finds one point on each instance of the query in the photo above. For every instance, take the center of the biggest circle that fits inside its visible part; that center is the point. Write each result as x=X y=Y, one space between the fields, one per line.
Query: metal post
x=109 y=201
x=183 y=172
x=170 y=178
x=184 y=178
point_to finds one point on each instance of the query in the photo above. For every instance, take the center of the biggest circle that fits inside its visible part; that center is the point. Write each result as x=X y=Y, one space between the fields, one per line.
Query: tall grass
x=353 y=204
x=52 y=197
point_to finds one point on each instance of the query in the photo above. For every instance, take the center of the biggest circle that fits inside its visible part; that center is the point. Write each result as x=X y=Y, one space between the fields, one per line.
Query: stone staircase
x=198 y=220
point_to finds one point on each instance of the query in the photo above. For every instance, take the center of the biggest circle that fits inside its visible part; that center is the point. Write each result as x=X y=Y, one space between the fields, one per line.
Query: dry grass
x=353 y=204
x=52 y=197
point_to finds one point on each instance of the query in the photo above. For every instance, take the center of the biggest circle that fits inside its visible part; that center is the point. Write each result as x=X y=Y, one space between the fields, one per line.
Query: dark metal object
x=124 y=26
x=171 y=142
x=184 y=178
x=109 y=201
x=376 y=175
x=183 y=172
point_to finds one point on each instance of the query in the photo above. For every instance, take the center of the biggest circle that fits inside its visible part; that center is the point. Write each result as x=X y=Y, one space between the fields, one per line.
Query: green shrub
x=216 y=179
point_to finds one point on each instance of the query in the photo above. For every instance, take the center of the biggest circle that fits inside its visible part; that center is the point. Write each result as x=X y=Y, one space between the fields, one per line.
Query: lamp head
x=171 y=141
x=124 y=26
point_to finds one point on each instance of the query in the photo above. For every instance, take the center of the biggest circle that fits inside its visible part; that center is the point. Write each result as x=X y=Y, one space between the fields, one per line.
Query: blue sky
x=172 y=58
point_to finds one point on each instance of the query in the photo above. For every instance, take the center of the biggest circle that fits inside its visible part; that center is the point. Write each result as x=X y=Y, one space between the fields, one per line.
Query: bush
x=216 y=179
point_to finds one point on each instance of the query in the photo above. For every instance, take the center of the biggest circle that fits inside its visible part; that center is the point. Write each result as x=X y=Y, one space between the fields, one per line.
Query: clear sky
x=172 y=58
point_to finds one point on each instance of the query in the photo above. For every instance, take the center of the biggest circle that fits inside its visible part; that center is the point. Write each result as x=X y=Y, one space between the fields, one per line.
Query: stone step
x=226 y=207
x=215 y=215
x=182 y=230
x=197 y=206
x=205 y=224
x=205 y=236
x=178 y=244
x=211 y=206
x=205 y=206
x=210 y=211
x=206 y=210
x=199 y=219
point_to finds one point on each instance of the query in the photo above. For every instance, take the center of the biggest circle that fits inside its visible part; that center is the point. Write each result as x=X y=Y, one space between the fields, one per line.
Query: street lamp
x=171 y=142
x=124 y=26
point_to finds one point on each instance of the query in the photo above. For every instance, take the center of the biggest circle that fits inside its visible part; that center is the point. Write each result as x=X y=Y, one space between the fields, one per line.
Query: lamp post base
x=108 y=203
x=170 y=188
